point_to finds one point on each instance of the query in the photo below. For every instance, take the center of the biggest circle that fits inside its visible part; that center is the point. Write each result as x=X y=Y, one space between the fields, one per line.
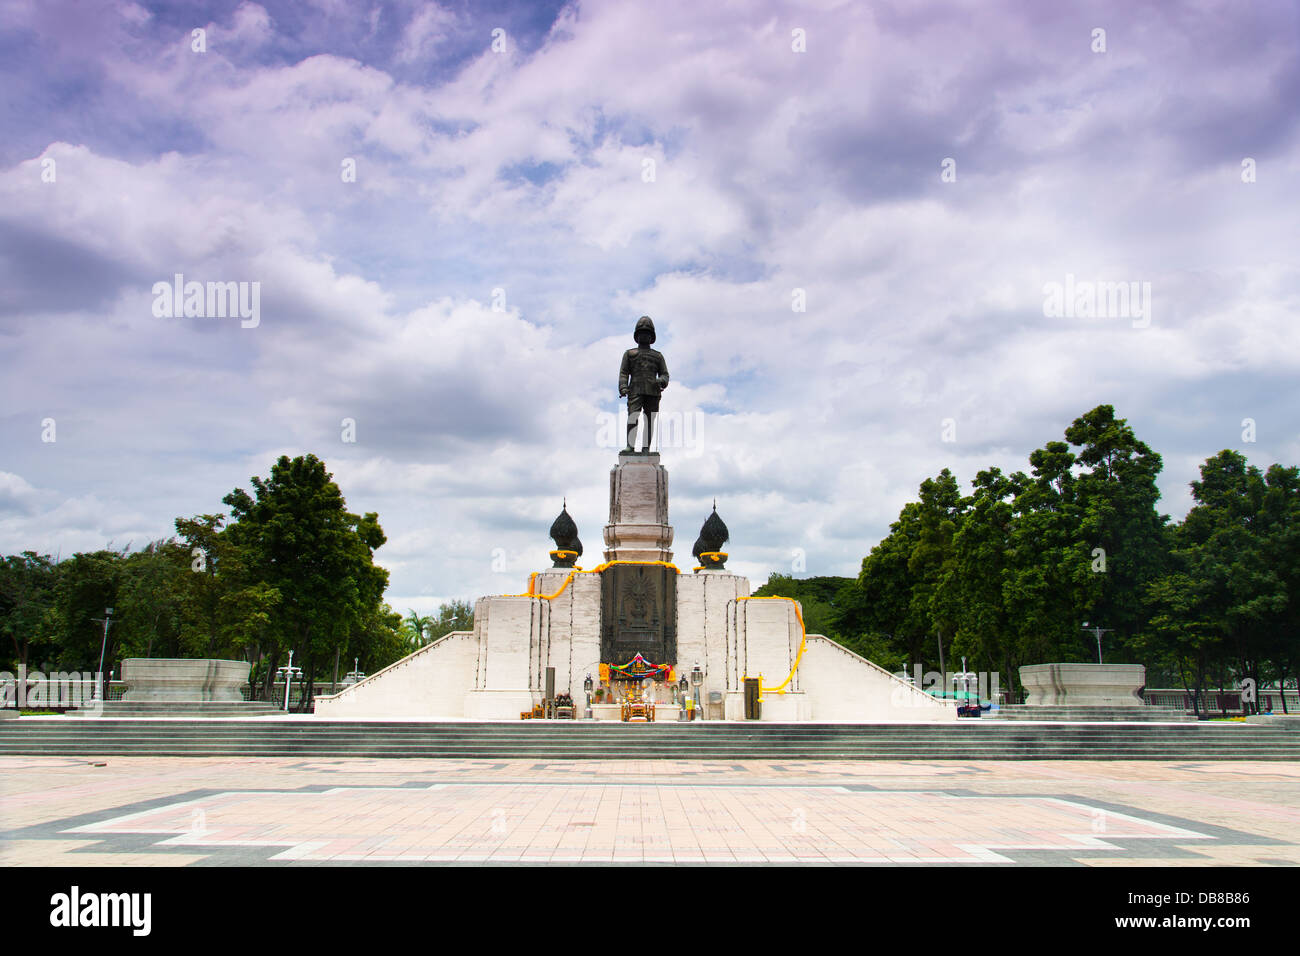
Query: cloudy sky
x=845 y=219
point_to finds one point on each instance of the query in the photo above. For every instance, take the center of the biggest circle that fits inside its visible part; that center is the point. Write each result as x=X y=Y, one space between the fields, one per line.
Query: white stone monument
x=636 y=614
x=563 y=621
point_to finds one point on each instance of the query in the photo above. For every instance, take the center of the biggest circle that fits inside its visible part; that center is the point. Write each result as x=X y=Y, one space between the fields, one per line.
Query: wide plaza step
x=714 y=740
x=1079 y=712
x=200 y=708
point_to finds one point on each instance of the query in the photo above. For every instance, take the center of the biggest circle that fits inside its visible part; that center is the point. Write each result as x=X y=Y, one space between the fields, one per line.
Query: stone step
x=235 y=728
x=264 y=726
x=712 y=741
x=667 y=754
x=1083 y=713
x=198 y=708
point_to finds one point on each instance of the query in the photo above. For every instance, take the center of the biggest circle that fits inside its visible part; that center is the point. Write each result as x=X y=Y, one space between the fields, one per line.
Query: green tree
x=380 y=639
x=975 y=585
x=1230 y=603
x=818 y=597
x=933 y=558
x=151 y=600
x=226 y=609
x=897 y=612
x=27 y=592
x=1121 y=541
x=417 y=625
x=1044 y=555
x=451 y=617
x=295 y=535
x=87 y=585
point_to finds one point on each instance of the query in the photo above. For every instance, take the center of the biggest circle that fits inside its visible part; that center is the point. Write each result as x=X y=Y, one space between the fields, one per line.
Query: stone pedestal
x=1084 y=685
x=638 y=528
x=150 y=679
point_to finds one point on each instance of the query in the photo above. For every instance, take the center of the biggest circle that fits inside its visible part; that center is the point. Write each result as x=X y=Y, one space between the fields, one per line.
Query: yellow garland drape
x=532 y=578
x=803 y=642
x=803 y=632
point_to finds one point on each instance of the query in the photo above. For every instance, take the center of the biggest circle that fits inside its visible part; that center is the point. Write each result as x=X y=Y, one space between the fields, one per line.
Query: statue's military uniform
x=642 y=378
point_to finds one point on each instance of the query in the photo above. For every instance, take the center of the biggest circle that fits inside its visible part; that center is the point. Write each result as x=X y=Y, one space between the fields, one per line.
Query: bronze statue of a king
x=642 y=378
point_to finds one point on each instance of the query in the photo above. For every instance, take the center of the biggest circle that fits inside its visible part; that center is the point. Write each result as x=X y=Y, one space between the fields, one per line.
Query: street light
x=1097 y=632
x=99 y=674
x=697 y=679
x=965 y=677
x=289 y=672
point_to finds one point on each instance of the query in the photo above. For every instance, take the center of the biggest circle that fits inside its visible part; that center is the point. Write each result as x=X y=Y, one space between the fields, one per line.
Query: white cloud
x=773 y=171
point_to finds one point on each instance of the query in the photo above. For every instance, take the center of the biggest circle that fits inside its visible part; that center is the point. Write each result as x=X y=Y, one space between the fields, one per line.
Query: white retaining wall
x=428 y=683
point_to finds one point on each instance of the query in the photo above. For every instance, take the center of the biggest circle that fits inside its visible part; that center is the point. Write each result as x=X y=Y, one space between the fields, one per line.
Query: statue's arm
x=663 y=373
x=624 y=375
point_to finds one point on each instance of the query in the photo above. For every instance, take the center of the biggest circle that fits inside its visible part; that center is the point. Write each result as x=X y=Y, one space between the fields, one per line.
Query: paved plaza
x=138 y=811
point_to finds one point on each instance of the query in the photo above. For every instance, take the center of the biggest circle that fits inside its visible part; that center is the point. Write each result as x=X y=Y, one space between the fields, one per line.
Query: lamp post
x=103 y=647
x=355 y=676
x=1097 y=632
x=965 y=677
x=586 y=688
x=289 y=672
x=697 y=681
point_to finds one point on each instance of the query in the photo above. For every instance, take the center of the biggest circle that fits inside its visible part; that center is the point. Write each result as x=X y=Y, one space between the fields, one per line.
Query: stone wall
x=704 y=611
x=572 y=633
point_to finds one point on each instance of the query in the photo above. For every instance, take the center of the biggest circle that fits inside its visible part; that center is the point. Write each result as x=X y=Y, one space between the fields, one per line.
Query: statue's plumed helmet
x=644 y=324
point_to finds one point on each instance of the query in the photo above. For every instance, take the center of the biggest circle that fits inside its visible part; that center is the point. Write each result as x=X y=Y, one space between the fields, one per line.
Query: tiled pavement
x=141 y=811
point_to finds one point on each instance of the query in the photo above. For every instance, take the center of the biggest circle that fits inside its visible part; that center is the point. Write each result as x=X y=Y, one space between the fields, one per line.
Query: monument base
x=1084 y=685
x=638 y=528
x=152 y=679
x=499 y=704
x=782 y=708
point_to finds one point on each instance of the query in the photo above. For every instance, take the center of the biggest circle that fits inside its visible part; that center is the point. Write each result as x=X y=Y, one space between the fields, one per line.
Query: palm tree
x=419 y=626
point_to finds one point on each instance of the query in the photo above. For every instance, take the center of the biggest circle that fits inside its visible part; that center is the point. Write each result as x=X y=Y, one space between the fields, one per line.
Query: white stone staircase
x=418 y=685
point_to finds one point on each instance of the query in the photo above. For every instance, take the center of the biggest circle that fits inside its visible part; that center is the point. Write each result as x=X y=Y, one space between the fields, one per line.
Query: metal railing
x=64 y=695
x=1222 y=703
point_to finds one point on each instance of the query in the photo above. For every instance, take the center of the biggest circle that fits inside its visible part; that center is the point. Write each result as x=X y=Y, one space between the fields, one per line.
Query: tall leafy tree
x=27 y=592
x=151 y=600
x=417 y=625
x=897 y=609
x=1043 y=558
x=295 y=535
x=1230 y=602
x=940 y=516
x=1120 y=532
x=974 y=586
x=87 y=586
